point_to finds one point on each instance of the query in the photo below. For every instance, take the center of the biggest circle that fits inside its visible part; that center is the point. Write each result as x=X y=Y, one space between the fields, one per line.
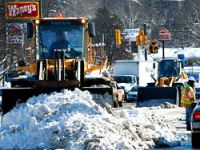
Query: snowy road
x=176 y=117
x=180 y=125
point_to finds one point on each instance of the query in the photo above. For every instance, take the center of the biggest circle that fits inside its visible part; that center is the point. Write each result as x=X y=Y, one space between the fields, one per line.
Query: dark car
x=195 y=126
x=132 y=94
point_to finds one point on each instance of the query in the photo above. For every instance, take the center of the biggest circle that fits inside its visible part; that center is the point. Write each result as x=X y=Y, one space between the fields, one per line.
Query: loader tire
x=82 y=75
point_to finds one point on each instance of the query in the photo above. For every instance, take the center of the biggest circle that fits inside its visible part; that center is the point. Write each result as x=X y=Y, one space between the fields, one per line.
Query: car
x=126 y=82
x=195 y=126
x=132 y=94
x=118 y=93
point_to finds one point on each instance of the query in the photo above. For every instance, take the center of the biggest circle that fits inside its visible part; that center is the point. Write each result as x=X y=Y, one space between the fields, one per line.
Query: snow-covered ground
x=79 y=120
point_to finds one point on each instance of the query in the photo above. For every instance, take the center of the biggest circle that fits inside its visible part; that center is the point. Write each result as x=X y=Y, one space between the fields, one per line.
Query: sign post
x=164 y=35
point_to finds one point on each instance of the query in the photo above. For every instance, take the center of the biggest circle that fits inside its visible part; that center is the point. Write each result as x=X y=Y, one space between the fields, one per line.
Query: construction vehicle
x=168 y=81
x=64 y=67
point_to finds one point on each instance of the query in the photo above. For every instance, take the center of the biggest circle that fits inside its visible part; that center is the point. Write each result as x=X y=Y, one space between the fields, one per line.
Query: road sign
x=164 y=35
x=14 y=33
x=22 y=10
x=141 y=39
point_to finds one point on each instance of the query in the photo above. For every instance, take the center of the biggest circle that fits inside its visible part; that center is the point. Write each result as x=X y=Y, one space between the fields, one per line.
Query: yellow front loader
x=55 y=67
x=167 y=86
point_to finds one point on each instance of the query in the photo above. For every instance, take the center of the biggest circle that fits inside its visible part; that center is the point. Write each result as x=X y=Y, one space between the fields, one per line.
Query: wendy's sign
x=22 y=10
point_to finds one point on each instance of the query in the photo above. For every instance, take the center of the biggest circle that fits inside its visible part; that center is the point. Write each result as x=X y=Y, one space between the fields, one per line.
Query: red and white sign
x=22 y=10
x=14 y=33
x=164 y=35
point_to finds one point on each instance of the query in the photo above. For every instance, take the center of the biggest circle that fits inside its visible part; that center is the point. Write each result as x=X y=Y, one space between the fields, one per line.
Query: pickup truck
x=126 y=82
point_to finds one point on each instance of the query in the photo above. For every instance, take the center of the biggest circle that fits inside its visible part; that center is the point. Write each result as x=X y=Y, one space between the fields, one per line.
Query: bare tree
x=106 y=23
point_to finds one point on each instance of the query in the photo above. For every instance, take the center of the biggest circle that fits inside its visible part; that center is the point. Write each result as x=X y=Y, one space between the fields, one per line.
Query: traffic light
x=153 y=47
x=118 y=36
x=141 y=39
x=137 y=40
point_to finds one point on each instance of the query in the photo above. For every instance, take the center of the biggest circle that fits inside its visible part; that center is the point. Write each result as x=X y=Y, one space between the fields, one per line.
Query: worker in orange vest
x=188 y=99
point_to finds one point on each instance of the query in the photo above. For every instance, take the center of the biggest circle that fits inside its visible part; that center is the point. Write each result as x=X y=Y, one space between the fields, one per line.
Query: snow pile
x=157 y=102
x=99 y=73
x=6 y=84
x=73 y=120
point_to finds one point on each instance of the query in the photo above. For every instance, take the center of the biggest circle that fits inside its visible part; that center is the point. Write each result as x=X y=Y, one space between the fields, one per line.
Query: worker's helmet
x=191 y=79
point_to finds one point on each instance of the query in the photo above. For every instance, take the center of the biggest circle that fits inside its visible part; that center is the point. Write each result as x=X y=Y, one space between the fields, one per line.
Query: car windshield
x=134 y=89
x=168 y=68
x=60 y=35
x=123 y=79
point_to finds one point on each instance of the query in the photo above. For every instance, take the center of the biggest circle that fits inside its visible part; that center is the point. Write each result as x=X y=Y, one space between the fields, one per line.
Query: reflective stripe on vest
x=188 y=97
x=186 y=103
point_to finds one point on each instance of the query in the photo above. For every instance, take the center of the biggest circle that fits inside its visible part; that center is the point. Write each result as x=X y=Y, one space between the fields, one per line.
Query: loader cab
x=169 y=68
x=60 y=39
x=61 y=48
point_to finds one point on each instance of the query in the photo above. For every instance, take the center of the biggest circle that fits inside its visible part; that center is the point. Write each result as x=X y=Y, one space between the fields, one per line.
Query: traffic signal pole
x=145 y=50
x=163 y=48
x=141 y=41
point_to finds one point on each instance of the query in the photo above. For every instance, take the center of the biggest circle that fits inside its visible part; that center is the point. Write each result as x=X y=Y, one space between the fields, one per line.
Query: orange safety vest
x=188 y=96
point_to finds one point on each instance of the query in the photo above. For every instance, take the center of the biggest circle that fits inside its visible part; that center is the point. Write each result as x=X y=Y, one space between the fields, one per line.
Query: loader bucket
x=155 y=96
x=98 y=90
x=12 y=96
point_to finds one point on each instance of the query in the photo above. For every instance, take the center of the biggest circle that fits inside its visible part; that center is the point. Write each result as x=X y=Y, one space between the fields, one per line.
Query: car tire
x=115 y=103
x=195 y=140
x=120 y=104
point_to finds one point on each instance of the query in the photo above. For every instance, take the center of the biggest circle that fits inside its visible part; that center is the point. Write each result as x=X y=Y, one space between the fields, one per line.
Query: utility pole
x=145 y=50
x=40 y=8
x=3 y=28
x=4 y=47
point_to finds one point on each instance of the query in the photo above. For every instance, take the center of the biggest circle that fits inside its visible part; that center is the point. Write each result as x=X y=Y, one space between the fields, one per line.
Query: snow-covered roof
x=174 y=52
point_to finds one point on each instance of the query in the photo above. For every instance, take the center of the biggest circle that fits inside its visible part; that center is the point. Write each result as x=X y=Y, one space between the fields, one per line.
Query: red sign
x=22 y=10
x=164 y=35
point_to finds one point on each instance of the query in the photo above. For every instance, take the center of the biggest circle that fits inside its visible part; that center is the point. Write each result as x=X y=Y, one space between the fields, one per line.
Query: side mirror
x=91 y=29
x=29 y=30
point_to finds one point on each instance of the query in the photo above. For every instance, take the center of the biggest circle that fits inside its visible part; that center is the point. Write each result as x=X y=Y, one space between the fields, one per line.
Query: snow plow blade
x=155 y=96
x=12 y=96
x=98 y=90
